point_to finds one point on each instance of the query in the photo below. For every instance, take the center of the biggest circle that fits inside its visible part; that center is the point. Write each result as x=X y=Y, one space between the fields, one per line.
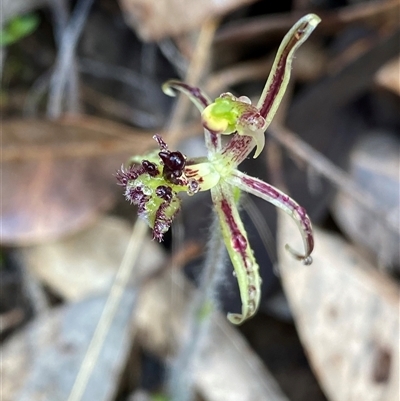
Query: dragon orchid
x=153 y=182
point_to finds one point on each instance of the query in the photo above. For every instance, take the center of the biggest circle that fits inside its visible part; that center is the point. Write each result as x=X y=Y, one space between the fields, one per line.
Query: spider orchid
x=153 y=182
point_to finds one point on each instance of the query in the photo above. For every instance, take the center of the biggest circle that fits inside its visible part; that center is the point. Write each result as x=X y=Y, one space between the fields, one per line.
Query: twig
x=121 y=139
x=260 y=28
x=60 y=13
x=337 y=176
x=174 y=56
x=193 y=75
x=68 y=150
x=251 y=70
x=112 y=304
x=260 y=225
x=110 y=105
x=115 y=72
x=35 y=94
x=181 y=380
x=65 y=58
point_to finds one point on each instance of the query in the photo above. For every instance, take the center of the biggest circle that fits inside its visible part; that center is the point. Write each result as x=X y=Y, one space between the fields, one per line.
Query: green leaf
x=159 y=397
x=18 y=28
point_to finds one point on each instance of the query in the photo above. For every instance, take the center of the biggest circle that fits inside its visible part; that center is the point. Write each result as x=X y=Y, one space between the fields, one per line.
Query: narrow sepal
x=279 y=199
x=196 y=95
x=241 y=255
x=200 y=100
x=278 y=78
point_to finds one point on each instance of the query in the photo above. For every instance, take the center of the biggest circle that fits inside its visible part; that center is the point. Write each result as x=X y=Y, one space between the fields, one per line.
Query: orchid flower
x=153 y=182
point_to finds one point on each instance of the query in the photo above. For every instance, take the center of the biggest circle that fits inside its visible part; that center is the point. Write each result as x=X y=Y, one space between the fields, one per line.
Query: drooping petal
x=279 y=76
x=278 y=198
x=200 y=100
x=241 y=255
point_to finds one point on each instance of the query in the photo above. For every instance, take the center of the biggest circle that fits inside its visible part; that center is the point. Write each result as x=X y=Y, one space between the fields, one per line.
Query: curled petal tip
x=235 y=318
x=306 y=259
x=199 y=98
x=312 y=19
x=278 y=198
x=167 y=88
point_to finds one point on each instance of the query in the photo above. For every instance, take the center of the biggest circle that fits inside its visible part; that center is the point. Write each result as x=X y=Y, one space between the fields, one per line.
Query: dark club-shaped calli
x=153 y=182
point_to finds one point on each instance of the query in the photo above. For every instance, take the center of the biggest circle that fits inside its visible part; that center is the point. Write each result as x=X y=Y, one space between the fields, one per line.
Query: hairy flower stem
x=181 y=379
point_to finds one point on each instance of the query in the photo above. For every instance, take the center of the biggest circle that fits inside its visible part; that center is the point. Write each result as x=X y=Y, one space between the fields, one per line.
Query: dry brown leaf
x=347 y=315
x=57 y=177
x=374 y=165
x=154 y=20
x=41 y=362
x=87 y=262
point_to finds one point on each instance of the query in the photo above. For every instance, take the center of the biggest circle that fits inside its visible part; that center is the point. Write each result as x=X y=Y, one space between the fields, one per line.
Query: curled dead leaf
x=155 y=20
x=58 y=176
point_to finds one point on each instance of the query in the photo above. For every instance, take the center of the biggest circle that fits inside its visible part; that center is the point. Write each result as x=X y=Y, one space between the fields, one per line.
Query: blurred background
x=91 y=309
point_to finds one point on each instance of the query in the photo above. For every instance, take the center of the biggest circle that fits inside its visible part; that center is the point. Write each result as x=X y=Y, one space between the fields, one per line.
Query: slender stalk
x=65 y=59
x=181 y=383
x=112 y=304
x=194 y=73
x=60 y=13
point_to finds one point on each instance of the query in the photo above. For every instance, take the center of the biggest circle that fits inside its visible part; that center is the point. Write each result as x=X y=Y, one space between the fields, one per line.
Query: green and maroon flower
x=153 y=182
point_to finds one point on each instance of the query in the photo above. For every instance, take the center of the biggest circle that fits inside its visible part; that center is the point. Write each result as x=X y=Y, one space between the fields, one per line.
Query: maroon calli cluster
x=152 y=186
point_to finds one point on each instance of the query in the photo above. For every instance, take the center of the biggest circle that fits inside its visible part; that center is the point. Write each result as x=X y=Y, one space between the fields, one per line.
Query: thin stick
x=260 y=225
x=60 y=13
x=65 y=58
x=112 y=304
x=132 y=140
x=181 y=380
x=256 y=29
x=241 y=72
x=337 y=176
x=194 y=73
